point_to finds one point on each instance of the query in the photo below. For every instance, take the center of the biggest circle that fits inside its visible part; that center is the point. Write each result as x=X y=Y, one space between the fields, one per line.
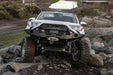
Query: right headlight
x=78 y=28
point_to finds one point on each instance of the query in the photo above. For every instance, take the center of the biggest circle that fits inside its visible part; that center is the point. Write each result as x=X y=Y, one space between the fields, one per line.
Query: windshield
x=67 y=17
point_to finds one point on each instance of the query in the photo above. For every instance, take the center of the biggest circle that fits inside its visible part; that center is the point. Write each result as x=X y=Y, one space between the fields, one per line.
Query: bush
x=5 y=15
x=6 y=3
x=88 y=12
x=13 y=10
x=9 y=10
x=32 y=10
x=21 y=13
x=1 y=8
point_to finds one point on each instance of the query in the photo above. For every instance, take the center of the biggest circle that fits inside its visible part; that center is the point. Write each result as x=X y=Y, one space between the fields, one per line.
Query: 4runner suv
x=55 y=32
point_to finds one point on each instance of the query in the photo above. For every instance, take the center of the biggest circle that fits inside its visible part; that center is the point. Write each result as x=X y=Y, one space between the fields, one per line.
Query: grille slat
x=50 y=29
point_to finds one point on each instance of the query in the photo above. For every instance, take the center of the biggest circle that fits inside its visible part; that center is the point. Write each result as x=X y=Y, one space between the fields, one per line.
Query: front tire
x=84 y=53
x=28 y=49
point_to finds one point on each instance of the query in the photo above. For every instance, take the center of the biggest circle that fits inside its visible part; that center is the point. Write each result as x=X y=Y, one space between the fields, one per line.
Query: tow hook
x=52 y=39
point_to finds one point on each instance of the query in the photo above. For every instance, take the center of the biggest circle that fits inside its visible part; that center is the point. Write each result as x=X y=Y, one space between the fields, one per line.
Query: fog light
x=42 y=30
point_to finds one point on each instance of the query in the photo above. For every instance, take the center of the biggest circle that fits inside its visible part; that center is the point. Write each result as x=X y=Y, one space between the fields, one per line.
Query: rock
x=104 y=49
x=96 y=59
x=91 y=33
x=40 y=67
x=104 y=56
x=97 y=38
x=102 y=21
x=10 y=73
x=87 y=19
x=41 y=59
x=17 y=59
x=97 y=45
x=108 y=17
x=88 y=41
x=4 y=53
x=1 y=59
x=15 y=50
x=111 y=48
x=106 y=72
x=107 y=36
x=109 y=58
x=92 y=51
x=110 y=42
x=97 y=21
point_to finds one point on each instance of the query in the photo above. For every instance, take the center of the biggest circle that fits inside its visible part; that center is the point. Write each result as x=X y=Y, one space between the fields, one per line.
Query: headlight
x=79 y=28
x=33 y=23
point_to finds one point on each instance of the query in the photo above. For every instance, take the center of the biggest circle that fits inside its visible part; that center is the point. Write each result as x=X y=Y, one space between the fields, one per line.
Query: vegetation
x=88 y=12
x=10 y=10
x=31 y=10
x=12 y=38
x=54 y=1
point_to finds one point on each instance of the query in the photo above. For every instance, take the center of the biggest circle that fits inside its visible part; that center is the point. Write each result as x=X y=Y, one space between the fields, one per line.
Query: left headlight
x=33 y=23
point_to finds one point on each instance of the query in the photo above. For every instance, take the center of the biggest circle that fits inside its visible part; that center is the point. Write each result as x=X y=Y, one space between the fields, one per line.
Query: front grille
x=55 y=30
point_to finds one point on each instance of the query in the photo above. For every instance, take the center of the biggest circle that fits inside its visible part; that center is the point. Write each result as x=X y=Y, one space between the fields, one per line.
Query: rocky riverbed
x=100 y=61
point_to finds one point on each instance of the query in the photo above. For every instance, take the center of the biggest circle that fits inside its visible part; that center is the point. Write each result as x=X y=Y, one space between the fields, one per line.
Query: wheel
x=28 y=49
x=80 y=53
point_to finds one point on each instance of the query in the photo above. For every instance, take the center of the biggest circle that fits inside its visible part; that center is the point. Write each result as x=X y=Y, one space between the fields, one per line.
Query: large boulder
x=102 y=21
x=96 y=59
x=104 y=49
x=11 y=51
x=107 y=36
x=97 y=21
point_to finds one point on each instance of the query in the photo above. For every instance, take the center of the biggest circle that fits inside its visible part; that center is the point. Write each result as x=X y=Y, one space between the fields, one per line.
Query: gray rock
x=108 y=17
x=87 y=19
x=4 y=53
x=11 y=51
x=41 y=59
x=96 y=59
x=15 y=50
x=10 y=73
x=92 y=51
x=110 y=42
x=102 y=21
x=107 y=36
x=17 y=59
x=104 y=49
x=97 y=45
x=97 y=38
x=99 y=21
x=106 y=71
x=91 y=33
x=1 y=59
x=103 y=55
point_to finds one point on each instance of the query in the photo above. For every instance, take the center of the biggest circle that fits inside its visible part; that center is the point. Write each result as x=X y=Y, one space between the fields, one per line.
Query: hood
x=55 y=22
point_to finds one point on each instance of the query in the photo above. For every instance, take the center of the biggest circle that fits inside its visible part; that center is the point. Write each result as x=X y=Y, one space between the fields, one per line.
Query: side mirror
x=83 y=23
x=33 y=18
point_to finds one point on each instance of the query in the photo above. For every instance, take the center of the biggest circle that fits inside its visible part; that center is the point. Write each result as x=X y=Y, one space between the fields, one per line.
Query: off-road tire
x=84 y=53
x=29 y=49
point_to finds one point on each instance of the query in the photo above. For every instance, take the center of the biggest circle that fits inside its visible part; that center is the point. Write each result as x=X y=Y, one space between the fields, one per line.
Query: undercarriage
x=55 y=39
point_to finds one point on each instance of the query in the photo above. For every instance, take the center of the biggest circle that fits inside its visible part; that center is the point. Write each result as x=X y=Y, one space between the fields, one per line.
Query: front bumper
x=67 y=37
